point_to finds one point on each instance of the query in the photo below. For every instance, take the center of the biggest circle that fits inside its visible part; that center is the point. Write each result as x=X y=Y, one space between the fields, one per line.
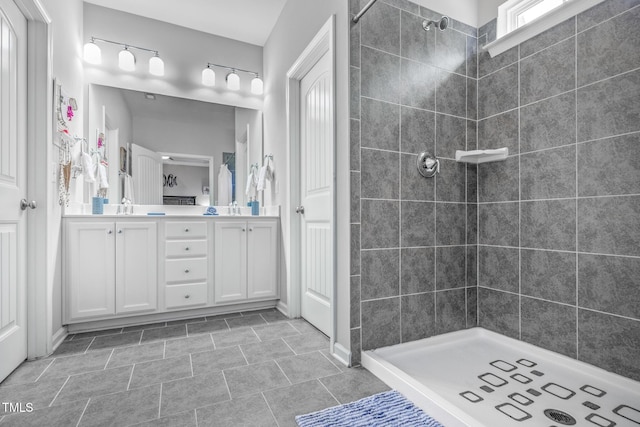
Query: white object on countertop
x=482 y=156
x=224 y=186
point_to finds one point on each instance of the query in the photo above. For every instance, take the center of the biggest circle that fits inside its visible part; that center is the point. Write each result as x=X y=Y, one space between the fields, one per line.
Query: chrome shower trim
x=442 y=24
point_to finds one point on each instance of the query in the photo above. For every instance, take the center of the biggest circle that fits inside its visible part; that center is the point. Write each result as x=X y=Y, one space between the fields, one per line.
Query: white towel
x=252 y=182
x=224 y=186
x=262 y=178
x=88 y=167
x=102 y=173
x=267 y=173
x=128 y=188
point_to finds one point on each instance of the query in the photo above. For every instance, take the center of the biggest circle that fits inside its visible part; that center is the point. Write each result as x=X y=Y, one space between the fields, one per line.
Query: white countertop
x=83 y=210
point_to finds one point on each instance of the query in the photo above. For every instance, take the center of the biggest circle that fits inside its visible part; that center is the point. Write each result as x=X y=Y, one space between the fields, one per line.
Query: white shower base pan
x=479 y=378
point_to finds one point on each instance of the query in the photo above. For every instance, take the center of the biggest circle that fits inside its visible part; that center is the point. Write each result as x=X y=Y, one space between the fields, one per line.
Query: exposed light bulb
x=233 y=81
x=126 y=60
x=156 y=65
x=257 y=87
x=92 y=53
x=208 y=77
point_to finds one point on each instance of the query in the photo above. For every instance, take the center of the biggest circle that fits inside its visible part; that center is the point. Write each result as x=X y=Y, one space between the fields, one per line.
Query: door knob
x=24 y=204
x=300 y=210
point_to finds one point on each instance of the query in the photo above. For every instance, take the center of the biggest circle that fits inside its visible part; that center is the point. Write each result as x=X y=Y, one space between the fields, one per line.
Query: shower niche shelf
x=482 y=156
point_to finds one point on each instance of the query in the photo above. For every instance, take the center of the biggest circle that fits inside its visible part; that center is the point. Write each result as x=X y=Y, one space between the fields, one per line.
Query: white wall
x=487 y=10
x=185 y=53
x=66 y=33
x=299 y=22
x=190 y=180
x=462 y=10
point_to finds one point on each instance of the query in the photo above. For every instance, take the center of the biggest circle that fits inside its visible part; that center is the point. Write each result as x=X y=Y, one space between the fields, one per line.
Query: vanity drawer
x=186 y=270
x=186 y=230
x=186 y=248
x=177 y=296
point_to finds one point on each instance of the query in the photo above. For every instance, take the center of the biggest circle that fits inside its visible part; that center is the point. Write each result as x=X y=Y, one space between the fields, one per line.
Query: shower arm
x=364 y=10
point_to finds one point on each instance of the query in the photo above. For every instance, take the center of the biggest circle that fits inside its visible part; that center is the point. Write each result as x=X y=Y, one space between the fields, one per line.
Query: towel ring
x=428 y=165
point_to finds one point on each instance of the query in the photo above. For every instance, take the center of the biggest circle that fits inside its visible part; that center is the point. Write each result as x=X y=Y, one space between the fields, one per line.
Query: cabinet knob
x=186 y=271
x=187 y=296
x=251 y=229
x=109 y=231
x=119 y=231
x=186 y=230
x=243 y=230
x=187 y=248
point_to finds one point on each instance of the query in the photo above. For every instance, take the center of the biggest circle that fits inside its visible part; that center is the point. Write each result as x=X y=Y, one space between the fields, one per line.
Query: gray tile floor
x=250 y=368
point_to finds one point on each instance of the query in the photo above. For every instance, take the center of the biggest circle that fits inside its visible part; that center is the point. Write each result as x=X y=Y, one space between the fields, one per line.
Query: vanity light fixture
x=232 y=78
x=126 y=58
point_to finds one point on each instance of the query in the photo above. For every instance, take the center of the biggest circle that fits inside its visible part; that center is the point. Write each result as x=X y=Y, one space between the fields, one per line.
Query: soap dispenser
x=255 y=207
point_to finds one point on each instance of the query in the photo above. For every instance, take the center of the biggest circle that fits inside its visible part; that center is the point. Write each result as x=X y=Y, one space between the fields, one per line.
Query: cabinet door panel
x=230 y=261
x=90 y=269
x=262 y=260
x=136 y=262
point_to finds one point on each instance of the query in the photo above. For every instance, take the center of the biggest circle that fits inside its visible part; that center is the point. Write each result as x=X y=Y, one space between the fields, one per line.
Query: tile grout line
x=109 y=358
x=519 y=196
x=45 y=369
x=160 y=401
x=411 y=107
x=270 y=410
x=226 y=383
x=83 y=412
x=58 y=393
x=328 y=391
x=133 y=368
x=577 y=193
x=283 y=373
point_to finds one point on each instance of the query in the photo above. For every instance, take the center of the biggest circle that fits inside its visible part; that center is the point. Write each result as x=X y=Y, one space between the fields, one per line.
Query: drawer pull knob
x=186 y=230
x=187 y=270
x=109 y=231
x=244 y=230
x=187 y=296
x=251 y=229
x=187 y=248
x=119 y=231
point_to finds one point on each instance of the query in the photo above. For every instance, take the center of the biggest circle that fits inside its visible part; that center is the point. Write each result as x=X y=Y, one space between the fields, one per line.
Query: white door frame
x=322 y=43
x=39 y=146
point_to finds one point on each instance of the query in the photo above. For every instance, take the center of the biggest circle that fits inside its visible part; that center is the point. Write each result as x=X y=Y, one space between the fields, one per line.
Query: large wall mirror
x=167 y=150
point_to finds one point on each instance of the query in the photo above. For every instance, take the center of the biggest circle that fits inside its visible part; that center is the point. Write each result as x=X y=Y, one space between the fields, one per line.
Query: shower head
x=442 y=24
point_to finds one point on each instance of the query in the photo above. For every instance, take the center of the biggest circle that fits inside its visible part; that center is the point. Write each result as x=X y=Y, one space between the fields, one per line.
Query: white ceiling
x=250 y=21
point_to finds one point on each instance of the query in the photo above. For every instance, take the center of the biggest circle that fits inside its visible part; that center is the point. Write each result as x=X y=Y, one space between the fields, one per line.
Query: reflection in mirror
x=168 y=150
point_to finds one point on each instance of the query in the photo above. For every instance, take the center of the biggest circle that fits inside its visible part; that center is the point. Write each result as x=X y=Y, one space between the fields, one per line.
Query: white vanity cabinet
x=186 y=264
x=110 y=268
x=246 y=254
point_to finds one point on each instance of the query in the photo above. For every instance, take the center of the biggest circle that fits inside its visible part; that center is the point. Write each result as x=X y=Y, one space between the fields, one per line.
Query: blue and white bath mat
x=383 y=409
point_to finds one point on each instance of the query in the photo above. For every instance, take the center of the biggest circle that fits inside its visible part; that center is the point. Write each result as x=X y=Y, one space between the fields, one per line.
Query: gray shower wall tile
x=451 y=135
x=417 y=85
x=498 y=181
x=472 y=266
x=472 y=307
x=603 y=11
x=414 y=186
x=450 y=267
x=472 y=223
x=451 y=51
x=380 y=174
x=354 y=141
x=451 y=310
x=610 y=107
x=355 y=249
x=417 y=271
x=354 y=93
x=429 y=14
x=380 y=75
x=400 y=4
x=549 y=224
x=609 y=225
x=609 y=166
x=356 y=344
x=498 y=224
x=472 y=183
x=472 y=99
x=381 y=28
x=489 y=29
x=499 y=312
x=354 y=35
x=499 y=131
x=548 y=275
x=548 y=123
x=380 y=224
x=548 y=174
x=417 y=44
x=380 y=274
x=472 y=57
x=380 y=323
x=549 y=325
x=418 y=316
x=354 y=302
x=610 y=342
x=355 y=197
x=472 y=135
x=498 y=268
x=498 y=92
x=417 y=224
x=451 y=93
x=609 y=49
x=548 y=72
x=464 y=28
x=450 y=182
x=450 y=224
x=488 y=65
x=609 y=284
x=418 y=130
x=380 y=125
x=558 y=33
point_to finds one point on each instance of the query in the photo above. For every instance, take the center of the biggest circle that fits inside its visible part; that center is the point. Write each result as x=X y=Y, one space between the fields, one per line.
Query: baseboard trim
x=342 y=354
x=283 y=308
x=58 y=338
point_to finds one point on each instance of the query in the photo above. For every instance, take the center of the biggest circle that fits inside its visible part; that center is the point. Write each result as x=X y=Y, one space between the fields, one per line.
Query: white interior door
x=13 y=168
x=146 y=172
x=316 y=199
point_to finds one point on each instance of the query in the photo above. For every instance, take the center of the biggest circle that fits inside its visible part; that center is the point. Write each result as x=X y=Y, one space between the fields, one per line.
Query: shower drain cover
x=560 y=417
